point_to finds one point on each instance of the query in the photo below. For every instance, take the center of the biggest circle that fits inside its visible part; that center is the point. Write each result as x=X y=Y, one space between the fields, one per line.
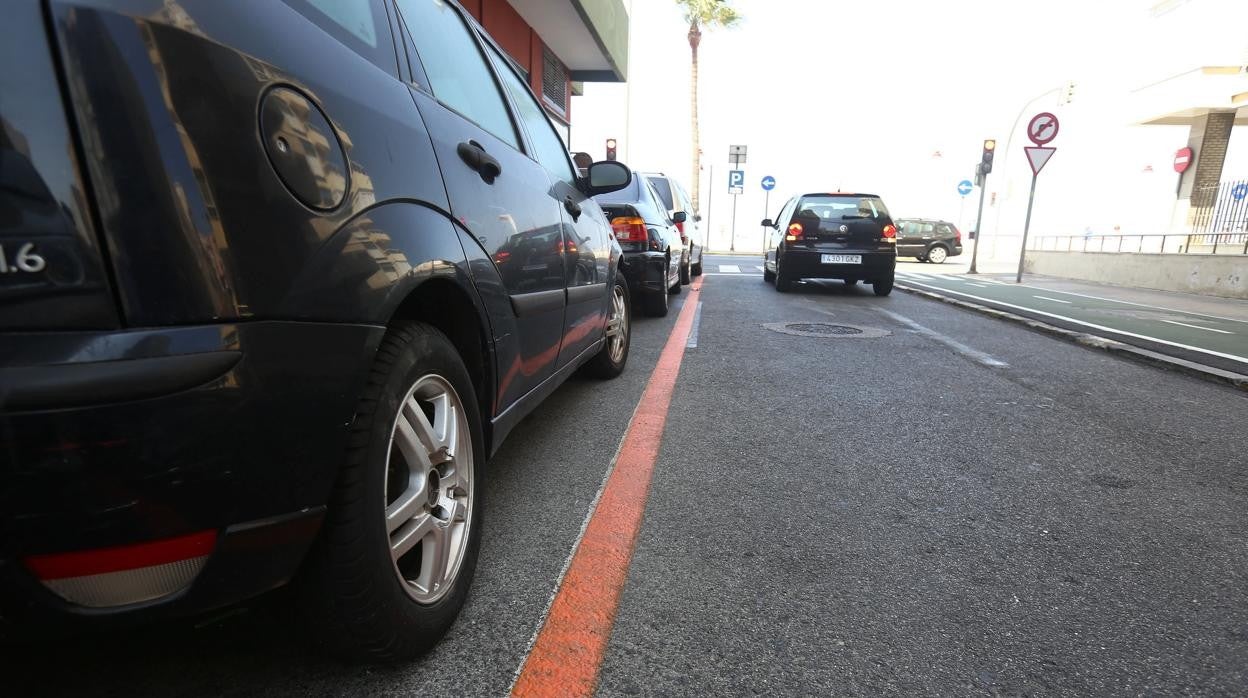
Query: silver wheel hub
x=429 y=489
x=617 y=326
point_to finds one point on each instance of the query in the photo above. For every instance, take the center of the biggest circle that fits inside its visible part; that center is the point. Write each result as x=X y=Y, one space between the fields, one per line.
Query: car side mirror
x=768 y=223
x=697 y=217
x=607 y=176
x=680 y=217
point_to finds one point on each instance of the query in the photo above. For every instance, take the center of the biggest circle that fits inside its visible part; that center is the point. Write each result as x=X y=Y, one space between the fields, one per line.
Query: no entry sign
x=1183 y=160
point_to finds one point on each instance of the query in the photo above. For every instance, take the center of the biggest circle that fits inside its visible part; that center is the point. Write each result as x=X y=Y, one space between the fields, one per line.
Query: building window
x=554 y=83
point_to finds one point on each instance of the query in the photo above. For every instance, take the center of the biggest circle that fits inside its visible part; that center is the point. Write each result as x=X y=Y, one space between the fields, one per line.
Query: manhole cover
x=825 y=329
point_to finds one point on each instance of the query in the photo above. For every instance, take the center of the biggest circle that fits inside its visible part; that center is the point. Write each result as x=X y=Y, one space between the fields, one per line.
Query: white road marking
x=1197 y=327
x=693 y=333
x=972 y=283
x=1055 y=300
x=1113 y=300
x=1102 y=328
x=973 y=354
x=738 y=275
x=759 y=268
x=730 y=268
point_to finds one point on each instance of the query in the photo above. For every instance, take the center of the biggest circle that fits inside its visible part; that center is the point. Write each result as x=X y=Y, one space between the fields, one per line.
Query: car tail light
x=106 y=577
x=795 y=232
x=890 y=233
x=957 y=236
x=629 y=229
x=681 y=227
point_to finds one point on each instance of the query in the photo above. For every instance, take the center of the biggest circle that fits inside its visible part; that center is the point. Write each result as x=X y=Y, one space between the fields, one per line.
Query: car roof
x=842 y=193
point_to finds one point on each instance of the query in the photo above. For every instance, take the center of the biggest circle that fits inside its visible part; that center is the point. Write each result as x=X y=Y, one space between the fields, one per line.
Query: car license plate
x=841 y=258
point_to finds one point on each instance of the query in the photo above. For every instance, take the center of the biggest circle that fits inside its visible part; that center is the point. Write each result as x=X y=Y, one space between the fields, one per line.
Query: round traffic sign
x=1240 y=192
x=965 y=187
x=1042 y=128
x=769 y=183
x=1183 y=159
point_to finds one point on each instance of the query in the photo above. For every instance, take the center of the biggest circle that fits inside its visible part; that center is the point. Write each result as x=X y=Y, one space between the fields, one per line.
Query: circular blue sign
x=769 y=183
x=1240 y=192
x=965 y=186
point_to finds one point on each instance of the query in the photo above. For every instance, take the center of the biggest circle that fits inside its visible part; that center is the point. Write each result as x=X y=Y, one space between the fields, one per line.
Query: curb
x=1091 y=341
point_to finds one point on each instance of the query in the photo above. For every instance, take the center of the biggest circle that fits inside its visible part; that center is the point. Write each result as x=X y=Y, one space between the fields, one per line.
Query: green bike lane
x=1209 y=339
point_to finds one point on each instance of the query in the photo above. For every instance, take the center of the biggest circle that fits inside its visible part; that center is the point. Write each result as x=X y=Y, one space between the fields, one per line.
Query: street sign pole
x=710 y=196
x=732 y=243
x=766 y=209
x=979 y=221
x=1022 y=254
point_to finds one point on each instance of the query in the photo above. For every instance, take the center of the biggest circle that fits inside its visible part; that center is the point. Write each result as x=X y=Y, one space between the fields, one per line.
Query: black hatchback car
x=272 y=294
x=832 y=236
x=927 y=239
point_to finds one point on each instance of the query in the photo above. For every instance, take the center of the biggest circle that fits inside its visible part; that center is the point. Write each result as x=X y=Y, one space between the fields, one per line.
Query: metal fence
x=1160 y=243
x=1219 y=228
x=1228 y=209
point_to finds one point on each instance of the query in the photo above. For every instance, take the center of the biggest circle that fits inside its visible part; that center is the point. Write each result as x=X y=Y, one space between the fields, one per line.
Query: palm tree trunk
x=695 y=38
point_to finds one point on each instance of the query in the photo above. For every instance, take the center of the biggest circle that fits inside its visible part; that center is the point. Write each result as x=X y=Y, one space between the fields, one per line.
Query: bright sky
x=861 y=96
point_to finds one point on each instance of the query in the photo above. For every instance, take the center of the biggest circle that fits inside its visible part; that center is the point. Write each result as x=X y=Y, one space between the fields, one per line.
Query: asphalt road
x=1202 y=337
x=959 y=506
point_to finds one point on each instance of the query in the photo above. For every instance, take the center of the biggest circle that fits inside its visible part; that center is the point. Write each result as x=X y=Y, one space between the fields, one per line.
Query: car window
x=657 y=201
x=548 y=148
x=361 y=25
x=457 y=71
x=664 y=190
x=842 y=207
x=944 y=229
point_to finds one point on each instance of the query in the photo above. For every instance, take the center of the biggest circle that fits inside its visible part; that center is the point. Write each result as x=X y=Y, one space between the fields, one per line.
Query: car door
x=776 y=234
x=914 y=237
x=586 y=241
x=501 y=196
x=667 y=227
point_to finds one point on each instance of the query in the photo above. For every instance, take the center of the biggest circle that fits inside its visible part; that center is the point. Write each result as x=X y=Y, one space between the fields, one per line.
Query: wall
x=1210 y=275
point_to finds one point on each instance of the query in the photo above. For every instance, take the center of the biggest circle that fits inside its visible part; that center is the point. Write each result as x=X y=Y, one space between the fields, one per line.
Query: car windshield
x=842 y=207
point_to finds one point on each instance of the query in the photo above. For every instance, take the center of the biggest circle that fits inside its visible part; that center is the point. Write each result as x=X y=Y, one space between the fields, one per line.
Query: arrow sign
x=1239 y=192
x=769 y=183
x=965 y=186
x=1042 y=128
x=1038 y=157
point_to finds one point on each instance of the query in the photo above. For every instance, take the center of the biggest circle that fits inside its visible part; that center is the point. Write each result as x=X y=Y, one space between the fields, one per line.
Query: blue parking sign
x=736 y=181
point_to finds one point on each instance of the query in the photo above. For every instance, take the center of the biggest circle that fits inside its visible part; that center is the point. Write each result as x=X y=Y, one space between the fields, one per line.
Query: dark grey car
x=928 y=239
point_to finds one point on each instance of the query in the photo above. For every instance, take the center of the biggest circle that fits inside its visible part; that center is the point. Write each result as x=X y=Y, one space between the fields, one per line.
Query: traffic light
x=990 y=147
x=610 y=148
x=1068 y=93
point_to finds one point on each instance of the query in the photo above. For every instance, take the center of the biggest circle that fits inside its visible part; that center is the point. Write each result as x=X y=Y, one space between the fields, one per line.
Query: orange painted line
x=569 y=650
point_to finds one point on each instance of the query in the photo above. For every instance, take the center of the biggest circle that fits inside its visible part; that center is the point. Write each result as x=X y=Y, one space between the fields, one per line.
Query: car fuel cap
x=303 y=149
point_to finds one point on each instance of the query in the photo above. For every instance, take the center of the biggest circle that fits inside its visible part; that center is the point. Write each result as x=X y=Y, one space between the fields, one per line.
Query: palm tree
x=709 y=14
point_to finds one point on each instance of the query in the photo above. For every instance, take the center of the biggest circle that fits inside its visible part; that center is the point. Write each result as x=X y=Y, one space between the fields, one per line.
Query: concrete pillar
x=1208 y=139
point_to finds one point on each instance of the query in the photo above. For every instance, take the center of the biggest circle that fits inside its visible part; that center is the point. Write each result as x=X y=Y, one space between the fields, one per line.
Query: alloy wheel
x=428 y=492
x=617 y=325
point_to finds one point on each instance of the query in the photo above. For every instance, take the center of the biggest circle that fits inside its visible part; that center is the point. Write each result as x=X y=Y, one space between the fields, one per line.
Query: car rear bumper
x=124 y=441
x=644 y=271
x=807 y=264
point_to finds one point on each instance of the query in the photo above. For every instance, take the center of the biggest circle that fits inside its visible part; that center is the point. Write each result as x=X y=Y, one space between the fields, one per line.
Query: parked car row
x=277 y=340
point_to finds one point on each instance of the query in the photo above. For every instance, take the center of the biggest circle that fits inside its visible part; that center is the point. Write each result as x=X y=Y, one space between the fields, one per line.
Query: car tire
x=686 y=273
x=768 y=276
x=938 y=254
x=783 y=283
x=676 y=288
x=655 y=303
x=697 y=267
x=360 y=600
x=610 y=361
x=882 y=287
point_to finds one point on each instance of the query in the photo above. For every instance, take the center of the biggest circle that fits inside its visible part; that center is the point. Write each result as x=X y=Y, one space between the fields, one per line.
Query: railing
x=1157 y=243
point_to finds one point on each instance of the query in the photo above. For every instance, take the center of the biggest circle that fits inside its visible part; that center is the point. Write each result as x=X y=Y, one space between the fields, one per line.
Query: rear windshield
x=637 y=197
x=664 y=188
x=842 y=208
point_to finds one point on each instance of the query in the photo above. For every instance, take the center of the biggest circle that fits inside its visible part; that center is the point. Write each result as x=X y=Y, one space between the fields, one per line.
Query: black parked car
x=650 y=240
x=929 y=240
x=676 y=200
x=272 y=295
x=832 y=236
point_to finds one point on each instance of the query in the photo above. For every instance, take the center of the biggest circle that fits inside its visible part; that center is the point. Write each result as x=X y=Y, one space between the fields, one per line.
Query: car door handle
x=573 y=208
x=475 y=157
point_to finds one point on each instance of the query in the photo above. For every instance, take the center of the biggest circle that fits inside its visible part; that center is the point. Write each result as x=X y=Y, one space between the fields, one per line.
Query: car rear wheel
x=783 y=283
x=697 y=266
x=768 y=276
x=937 y=255
x=686 y=273
x=655 y=303
x=392 y=567
x=610 y=362
x=882 y=287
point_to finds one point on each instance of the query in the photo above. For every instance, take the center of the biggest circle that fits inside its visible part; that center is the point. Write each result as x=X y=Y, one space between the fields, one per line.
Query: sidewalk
x=1231 y=308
